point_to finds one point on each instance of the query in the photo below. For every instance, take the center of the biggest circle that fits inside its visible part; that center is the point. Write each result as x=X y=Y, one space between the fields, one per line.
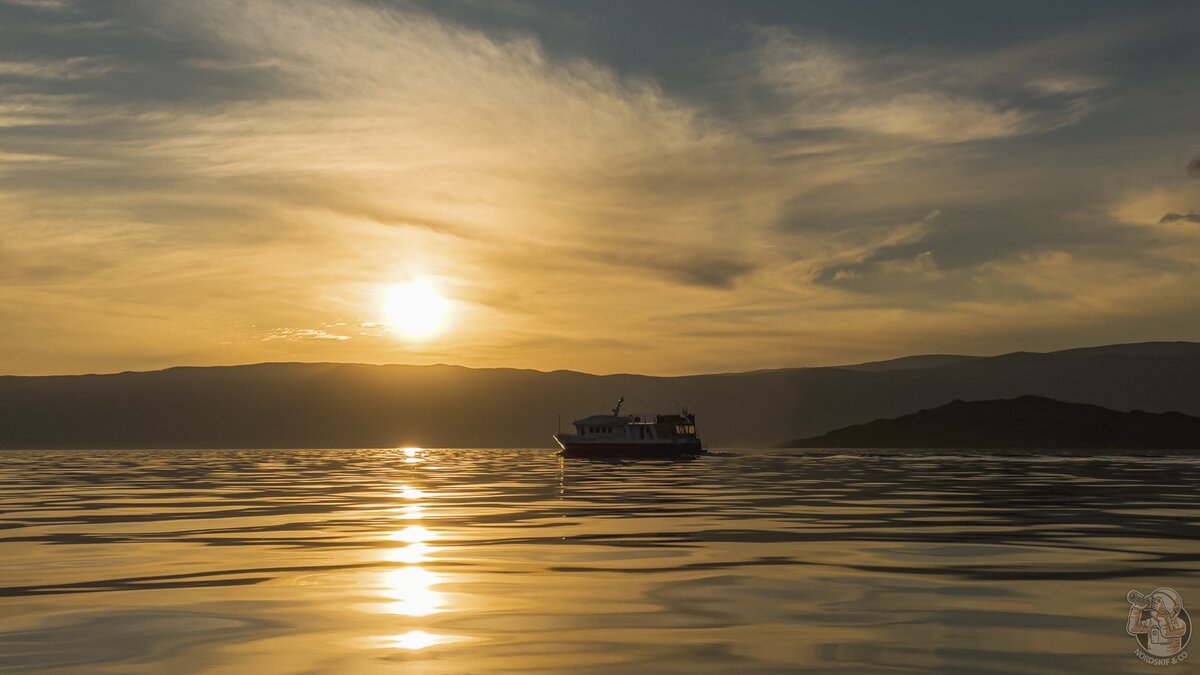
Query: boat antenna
x=617 y=410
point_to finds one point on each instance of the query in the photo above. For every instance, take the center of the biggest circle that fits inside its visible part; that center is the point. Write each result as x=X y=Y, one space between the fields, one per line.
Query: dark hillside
x=1029 y=422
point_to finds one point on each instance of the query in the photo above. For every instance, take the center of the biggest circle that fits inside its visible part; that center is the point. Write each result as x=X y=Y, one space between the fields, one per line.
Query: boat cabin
x=634 y=434
x=636 y=427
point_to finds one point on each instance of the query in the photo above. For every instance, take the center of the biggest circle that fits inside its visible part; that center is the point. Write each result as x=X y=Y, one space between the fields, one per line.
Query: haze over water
x=473 y=561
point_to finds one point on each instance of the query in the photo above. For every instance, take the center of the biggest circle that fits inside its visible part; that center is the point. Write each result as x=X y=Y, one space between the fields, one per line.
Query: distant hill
x=354 y=405
x=1031 y=422
x=912 y=362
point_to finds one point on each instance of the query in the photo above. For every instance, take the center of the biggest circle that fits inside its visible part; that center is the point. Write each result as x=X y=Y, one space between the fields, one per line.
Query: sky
x=655 y=187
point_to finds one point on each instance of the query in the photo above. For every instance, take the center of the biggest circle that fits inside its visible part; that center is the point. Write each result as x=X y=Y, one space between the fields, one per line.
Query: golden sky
x=592 y=186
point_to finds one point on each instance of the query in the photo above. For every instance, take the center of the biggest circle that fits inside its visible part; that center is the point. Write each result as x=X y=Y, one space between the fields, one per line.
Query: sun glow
x=416 y=639
x=416 y=310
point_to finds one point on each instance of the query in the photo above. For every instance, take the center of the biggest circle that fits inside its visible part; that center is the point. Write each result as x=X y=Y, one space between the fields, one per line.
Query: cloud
x=708 y=269
x=49 y=5
x=1193 y=167
x=76 y=67
x=923 y=266
x=822 y=85
x=34 y=109
x=1067 y=85
x=397 y=145
x=1146 y=207
x=302 y=334
x=214 y=167
x=933 y=118
x=1166 y=216
x=846 y=253
x=1176 y=217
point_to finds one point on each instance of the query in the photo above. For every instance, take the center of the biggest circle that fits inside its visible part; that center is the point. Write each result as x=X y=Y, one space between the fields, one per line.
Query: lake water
x=517 y=561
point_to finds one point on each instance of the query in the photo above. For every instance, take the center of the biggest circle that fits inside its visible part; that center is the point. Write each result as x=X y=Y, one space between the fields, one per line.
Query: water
x=493 y=561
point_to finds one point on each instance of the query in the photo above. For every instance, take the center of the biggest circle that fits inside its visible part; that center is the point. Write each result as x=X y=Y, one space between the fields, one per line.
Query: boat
x=632 y=435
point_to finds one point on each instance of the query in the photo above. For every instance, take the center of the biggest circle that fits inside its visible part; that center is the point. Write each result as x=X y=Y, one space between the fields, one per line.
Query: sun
x=416 y=310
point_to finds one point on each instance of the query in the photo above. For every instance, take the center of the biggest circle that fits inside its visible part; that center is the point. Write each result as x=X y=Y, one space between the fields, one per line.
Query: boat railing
x=644 y=418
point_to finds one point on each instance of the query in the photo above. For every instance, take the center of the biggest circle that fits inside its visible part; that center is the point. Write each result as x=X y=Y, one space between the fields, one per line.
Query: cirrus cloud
x=208 y=168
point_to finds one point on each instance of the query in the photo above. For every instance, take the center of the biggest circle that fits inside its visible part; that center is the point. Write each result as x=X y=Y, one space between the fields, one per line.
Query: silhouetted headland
x=297 y=405
x=1030 y=422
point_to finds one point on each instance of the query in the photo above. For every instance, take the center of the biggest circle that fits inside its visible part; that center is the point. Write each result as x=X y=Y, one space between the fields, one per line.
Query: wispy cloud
x=302 y=334
x=62 y=69
x=822 y=85
x=209 y=168
x=49 y=5
x=1068 y=85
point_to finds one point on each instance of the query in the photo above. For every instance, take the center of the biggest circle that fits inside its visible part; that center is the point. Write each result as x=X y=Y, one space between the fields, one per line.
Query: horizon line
x=581 y=372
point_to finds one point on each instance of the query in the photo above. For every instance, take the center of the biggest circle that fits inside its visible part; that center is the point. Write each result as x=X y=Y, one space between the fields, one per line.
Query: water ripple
x=520 y=561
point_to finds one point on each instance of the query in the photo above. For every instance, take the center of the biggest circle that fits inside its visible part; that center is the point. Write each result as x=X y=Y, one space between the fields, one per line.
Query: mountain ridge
x=935 y=360
x=360 y=405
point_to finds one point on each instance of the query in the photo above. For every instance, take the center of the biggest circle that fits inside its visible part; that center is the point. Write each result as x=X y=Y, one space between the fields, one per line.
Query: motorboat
x=632 y=434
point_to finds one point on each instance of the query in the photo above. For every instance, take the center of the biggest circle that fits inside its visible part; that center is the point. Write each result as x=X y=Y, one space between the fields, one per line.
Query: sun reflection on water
x=411 y=587
x=415 y=553
x=412 y=534
x=417 y=639
x=414 y=639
